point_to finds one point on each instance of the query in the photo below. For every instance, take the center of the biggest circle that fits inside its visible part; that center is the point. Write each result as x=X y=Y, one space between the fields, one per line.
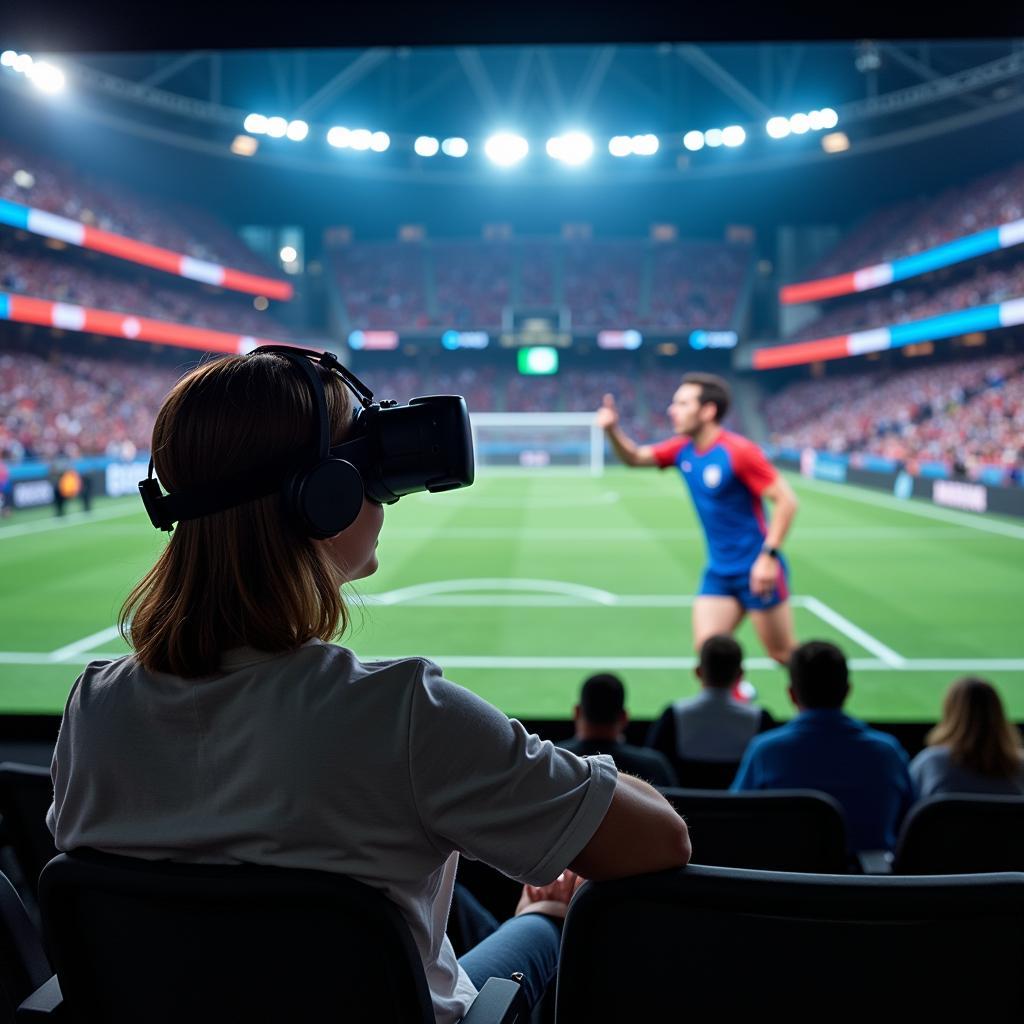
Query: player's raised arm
x=628 y=451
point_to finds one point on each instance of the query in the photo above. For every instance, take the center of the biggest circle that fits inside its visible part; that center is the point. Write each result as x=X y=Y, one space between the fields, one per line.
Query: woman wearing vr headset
x=239 y=731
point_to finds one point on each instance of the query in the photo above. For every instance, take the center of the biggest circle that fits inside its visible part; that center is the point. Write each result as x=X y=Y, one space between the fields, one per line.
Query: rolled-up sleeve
x=485 y=786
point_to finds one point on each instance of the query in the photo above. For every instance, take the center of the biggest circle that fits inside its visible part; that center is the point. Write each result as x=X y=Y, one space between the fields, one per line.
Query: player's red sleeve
x=665 y=452
x=751 y=465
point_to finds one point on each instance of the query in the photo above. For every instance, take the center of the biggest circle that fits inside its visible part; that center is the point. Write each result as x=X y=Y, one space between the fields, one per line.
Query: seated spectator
x=973 y=749
x=823 y=748
x=601 y=719
x=714 y=725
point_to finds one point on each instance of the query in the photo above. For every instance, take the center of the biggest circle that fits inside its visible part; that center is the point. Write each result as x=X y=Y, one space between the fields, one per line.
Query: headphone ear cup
x=326 y=499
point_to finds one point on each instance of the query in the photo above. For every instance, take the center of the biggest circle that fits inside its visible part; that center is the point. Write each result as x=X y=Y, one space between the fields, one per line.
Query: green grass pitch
x=525 y=583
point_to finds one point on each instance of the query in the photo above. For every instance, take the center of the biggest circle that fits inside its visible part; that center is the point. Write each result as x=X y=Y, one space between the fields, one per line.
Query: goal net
x=538 y=440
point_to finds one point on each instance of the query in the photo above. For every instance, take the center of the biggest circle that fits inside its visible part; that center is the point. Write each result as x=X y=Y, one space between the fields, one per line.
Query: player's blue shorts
x=737 y=585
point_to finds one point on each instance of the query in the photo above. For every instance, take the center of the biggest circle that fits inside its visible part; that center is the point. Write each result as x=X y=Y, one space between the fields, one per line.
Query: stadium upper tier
x=909 y=239
x=965 y=416
x=437 y=285
x=51 y=199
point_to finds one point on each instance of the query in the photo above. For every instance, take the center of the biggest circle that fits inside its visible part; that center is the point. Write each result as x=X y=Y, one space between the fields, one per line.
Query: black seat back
x=26 y=793
x=161 y=942
x=705 y=943
x=705 y=774
x=23 y=964
x=948 y=834
x=780 y=830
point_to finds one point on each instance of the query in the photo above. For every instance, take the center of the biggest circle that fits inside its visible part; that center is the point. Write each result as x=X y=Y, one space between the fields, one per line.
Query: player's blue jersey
x=726 y=482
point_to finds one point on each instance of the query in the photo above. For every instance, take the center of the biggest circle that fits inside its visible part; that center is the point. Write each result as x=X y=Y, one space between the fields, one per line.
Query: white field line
x=87 y=643
x=911 y=506
x=855 y=633
x=71 y=519
x=630 y=535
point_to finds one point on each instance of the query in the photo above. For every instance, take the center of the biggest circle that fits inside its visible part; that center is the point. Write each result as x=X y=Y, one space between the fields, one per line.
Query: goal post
x=538 y=440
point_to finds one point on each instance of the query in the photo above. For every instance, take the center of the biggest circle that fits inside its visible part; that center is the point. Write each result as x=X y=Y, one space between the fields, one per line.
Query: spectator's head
x=601 y=712
x=702 y=399
x=975 y=728
x=245 y=576
x=721 y=662
x=818 y=676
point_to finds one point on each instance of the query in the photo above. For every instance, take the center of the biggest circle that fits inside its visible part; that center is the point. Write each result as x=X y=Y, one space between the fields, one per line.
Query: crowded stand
x=25 y=271
x=56 y=187
x=967 y=415
x=926 y=222
x=980 y=286
x=655 y=286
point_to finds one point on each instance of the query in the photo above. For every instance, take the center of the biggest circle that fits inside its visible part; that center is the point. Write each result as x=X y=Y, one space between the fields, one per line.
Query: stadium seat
x=707 y=943
x=26 y=793
x=946 y=834
x=24 y=968
x=781 y=830
x=162 y=942
x=705 y=774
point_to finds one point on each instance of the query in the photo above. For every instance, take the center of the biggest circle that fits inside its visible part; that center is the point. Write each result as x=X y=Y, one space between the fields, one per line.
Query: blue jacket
x=864 y=769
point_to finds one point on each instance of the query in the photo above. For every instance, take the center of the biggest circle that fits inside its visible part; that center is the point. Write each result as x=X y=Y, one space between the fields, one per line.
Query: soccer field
x=524 y=584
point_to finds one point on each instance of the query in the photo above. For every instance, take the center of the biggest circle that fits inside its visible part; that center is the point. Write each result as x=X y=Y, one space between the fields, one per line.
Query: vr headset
x=392 y=450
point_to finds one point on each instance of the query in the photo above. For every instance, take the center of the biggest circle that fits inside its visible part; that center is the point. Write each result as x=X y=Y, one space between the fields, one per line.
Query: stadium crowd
x=968 y=415
x=55 y=186
x=604 y=284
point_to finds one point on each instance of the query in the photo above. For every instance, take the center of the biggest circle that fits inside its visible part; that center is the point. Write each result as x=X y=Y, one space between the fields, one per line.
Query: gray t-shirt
x=934 y=772
x=382 y=771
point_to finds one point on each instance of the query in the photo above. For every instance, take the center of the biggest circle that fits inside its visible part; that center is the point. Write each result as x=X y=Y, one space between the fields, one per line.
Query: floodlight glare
x=506 y=148
x=361 y=138
x=7 y=58
x=276 y=127
x=255 y=124
x=620 y=145
x=734 y=135
x=339 y=137
x=288 y=254
x=778 y=127
x=714 y=137
x=829 y=118
x=816 y=121
x=426 y=145
x=799 y=123
x=693 y=141
x=645 y=145
x=22 y=62
x=455 y=147
x=297 y=130
x=379 y=141
x=573 y=148
x=46 y=77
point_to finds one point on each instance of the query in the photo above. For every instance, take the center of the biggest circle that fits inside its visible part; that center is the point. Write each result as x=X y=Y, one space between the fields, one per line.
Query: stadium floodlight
x=645 y=145
x=7 y=58
x=297 y=130
x=572 y=148
x=255 y=124
x=714 y=137
x=734 y=135
x=426 y=145
x=693 y=141
x=506 y=148
x=778 y=127
x=455 y=147
x=835 y=142
x=45 y=76
x=277 y=127
x=23 y=178
x=360 y=138
x=799 y=124
x=22 y=62
x=339 y=137
x=380 y=141
x=620 y=145
x=288 y=254
x=244 y=145
x=829 y=118
x=816 y=121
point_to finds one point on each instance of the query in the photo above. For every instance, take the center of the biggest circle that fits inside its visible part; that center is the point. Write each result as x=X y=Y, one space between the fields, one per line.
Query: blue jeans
x=528 y=944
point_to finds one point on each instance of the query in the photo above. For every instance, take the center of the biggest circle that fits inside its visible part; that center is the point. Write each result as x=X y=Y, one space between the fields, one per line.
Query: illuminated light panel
x=694 y=141
x=426 y=145
x=506 y=148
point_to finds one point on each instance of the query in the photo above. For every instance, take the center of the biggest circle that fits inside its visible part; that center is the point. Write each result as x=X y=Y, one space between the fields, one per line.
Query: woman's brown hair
x=975 y=728
x=246 y=576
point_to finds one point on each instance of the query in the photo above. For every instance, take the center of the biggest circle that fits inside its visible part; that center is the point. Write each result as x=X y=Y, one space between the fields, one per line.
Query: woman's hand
x=552 y=899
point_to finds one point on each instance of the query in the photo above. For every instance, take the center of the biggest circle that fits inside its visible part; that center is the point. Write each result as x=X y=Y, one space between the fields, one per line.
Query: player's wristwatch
x=771 y=552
